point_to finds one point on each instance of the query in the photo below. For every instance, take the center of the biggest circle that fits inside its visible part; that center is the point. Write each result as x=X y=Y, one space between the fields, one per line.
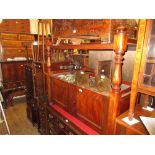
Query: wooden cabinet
x=16 y=45
x=13 y=74
x=89 y=107
x=13 y=79
x=144 y=69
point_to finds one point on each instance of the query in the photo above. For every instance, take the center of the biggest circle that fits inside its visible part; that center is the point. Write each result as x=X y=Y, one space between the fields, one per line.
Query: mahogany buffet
x=74 y=102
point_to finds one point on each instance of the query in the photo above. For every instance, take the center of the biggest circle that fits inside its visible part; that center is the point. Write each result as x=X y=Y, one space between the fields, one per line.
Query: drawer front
x=10 y=43
x=18 y=52
x=8 y=36
x=26 y=37
x=59 y=125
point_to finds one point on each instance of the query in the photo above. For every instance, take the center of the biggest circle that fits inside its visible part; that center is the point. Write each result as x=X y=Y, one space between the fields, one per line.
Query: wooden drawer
x=60 y=126
x=10 y=43
x=8 y=36
x=16 y=52
x=15 y=26
x=26 y=37
x=27 y=44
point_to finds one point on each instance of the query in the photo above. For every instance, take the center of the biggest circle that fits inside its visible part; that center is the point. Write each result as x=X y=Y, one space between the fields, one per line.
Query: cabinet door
x=20 y=71
x=60 y=92
x=9 y=72
x=92 y=108
x=147 y=70
x=72 y=99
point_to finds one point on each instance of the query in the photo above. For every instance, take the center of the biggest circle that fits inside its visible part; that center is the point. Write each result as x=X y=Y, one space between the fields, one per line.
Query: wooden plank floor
x=17 y=120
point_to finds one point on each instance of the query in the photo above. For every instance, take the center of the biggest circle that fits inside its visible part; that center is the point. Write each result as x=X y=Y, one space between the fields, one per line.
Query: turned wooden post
x=120 y=46
x=137 y=66
x=48 y=44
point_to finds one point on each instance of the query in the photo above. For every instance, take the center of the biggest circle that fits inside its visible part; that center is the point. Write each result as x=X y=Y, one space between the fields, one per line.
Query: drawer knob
x=67 y=120
x=80 y=90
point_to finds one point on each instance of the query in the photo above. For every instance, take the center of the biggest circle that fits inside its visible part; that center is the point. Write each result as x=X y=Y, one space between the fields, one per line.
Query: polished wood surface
x=92 y=108
x=138 y=85
x=60 y=92
x=15 y=26
x=105 y=28
x=13 y=74
x=136 y=129
x=16 y=45
x=88 y=106
x=120 y=46
x=108 y=46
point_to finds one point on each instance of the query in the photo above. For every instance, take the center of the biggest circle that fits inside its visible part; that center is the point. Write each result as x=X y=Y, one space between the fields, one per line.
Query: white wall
x=128 y=63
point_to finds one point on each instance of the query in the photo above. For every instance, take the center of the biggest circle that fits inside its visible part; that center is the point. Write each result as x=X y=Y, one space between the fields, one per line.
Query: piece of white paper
x=149 y=123
x=148 y=108
x=130 y=122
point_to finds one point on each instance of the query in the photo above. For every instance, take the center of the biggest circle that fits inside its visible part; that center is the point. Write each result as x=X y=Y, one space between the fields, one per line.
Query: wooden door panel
x=9 y=72
x=91 y=107
x=20 y=71
x=72 y=96
x=60 y=92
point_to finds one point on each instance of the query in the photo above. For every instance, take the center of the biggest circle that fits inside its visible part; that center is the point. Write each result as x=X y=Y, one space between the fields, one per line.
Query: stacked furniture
x=16 y=49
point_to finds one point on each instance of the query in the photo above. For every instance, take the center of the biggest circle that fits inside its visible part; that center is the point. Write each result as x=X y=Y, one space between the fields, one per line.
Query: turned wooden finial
x=120 y=46
x=48 y=48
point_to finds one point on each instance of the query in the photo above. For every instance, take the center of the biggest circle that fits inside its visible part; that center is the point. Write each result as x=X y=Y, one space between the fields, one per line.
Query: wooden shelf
x=108 y=46
x=137 y=128
x=150 y=61
x=85 y=46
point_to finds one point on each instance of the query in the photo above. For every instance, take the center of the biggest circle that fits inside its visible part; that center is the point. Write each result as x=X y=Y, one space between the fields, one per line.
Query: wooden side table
x=122 y=128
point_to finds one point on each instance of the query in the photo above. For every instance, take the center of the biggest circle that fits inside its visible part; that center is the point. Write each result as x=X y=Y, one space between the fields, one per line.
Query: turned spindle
x=120 y=46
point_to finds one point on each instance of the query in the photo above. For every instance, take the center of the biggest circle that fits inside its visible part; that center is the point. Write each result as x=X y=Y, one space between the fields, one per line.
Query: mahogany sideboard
x=84 y=104
x=13 y=80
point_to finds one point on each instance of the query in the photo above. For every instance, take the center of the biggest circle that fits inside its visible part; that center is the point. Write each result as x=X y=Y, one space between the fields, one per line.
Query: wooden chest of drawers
x=16 y=45
x=15 y=26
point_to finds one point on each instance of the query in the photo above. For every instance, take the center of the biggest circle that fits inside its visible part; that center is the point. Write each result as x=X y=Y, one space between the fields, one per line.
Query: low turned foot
x=130 y=116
